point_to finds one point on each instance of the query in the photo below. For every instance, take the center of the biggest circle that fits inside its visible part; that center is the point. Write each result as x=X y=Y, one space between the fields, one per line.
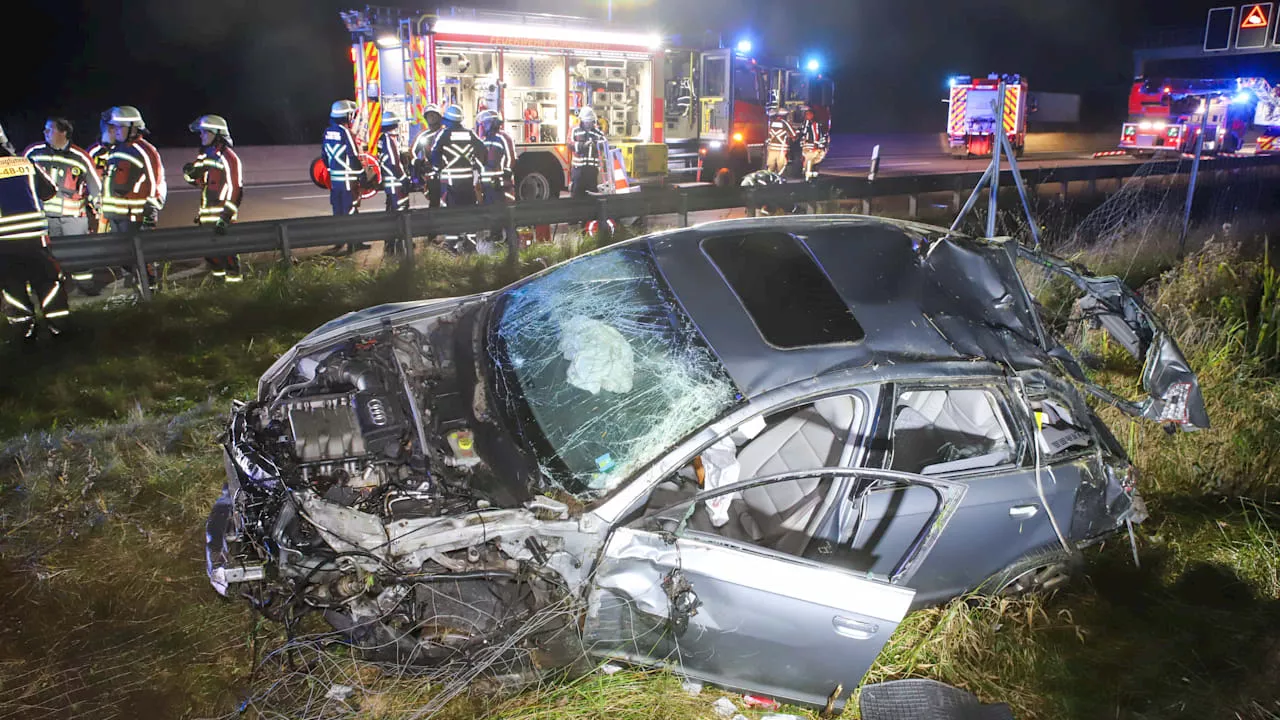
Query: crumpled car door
x=1173 y=389
x=748 y=617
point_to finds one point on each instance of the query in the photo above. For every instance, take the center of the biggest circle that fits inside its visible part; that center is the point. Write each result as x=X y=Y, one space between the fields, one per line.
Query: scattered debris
x=759 y=701
x=339 y=692
x=610 y=668
x=693 y=687
x=724 y=707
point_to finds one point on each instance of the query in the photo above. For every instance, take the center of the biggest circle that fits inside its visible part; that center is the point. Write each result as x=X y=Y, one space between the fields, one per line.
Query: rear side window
x=788 y=296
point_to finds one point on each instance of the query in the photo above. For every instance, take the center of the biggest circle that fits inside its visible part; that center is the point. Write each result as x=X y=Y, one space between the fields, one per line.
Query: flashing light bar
x=451 y=26
x=744 y=47
x=388 y=42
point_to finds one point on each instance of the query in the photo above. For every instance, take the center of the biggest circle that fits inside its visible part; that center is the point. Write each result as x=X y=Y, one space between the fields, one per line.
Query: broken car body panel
x=1173 y=389
x=729 y=613
x=475 y=473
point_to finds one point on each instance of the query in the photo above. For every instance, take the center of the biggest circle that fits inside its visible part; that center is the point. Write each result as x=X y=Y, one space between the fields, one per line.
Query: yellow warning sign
x=1254 y=19
x=15 y=166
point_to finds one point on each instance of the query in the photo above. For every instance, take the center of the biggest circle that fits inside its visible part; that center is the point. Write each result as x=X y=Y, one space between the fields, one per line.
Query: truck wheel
x=533 y=185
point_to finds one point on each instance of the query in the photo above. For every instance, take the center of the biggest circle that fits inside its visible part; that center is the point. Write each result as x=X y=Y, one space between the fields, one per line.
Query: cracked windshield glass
x=603 y=369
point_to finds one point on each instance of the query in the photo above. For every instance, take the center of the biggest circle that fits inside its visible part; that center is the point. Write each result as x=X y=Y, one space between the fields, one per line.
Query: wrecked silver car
x=748 y=448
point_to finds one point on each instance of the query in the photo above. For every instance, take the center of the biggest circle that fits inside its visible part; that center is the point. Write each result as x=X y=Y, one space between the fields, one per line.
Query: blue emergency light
x=813 y=65
x=744 y=46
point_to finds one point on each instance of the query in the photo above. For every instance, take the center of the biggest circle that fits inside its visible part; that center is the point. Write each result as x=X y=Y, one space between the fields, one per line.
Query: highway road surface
x=277 y=186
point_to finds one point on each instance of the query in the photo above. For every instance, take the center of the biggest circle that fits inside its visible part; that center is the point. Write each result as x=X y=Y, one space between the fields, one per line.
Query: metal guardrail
x=86 y=252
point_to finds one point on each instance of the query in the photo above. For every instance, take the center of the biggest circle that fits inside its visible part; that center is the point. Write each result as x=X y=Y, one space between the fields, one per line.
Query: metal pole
x=875 y=164
x=994 y=201
x=1191 y=187
x=140 y=269
x=1022 y=190
x=972 y=201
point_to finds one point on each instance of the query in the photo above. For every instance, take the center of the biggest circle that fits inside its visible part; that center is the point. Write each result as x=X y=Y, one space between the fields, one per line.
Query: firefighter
x=498 y=179
x=459 y=157
x=587 y=139
x=134 y=188
x=814 y=140
x=219 y=176
x=342 y=158
x=98 y=153
x=71 y=170
x=781 y=135
x=395 y=180
x=423 y=172
x=30 y=280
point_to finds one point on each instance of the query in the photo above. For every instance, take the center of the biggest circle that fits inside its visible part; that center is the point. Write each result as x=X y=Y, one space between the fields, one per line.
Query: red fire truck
x=669 y=111
x=971 y=119
x=1165 y=115
x=537 y=71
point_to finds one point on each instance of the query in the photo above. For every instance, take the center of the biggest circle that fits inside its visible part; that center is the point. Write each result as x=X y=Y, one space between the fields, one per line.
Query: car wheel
x=1042 y=573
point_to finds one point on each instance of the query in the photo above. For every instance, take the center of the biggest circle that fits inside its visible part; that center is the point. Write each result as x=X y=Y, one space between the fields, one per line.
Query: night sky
x=273 y=66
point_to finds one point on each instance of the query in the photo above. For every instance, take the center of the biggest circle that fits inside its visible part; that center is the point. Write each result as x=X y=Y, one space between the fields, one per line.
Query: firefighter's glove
x=150 y=217
x=189 y=173
x=220 y=227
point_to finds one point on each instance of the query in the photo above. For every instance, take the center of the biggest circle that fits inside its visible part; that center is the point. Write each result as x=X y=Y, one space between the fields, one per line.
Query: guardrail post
x=684 y=207
x=1064 y=189
x=140 y=268
x=751 y=204
x=1093 y=184
x=286 y=254
x=955 y=201
x=513 y=237
x=406 y=236
x=866 y=206
x=602 y=231
x=913 y=206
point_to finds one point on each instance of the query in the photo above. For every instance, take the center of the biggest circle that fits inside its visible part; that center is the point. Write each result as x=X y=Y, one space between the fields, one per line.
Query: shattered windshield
x=602 y=369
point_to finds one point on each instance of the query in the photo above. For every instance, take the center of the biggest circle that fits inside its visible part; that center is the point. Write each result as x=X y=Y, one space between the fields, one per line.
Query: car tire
x=1043 y=572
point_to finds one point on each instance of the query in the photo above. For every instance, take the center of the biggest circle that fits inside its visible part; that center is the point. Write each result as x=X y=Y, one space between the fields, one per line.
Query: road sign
x=1217 y=30
x=1255 y=26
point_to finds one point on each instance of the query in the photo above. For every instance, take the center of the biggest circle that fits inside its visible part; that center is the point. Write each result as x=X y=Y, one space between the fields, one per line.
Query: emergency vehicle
x=669 y=111
x=1165 y=115
x=971 y=116
x=537 y=71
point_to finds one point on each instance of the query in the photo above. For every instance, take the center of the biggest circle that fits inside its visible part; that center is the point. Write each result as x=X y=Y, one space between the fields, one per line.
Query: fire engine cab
x=972 y=121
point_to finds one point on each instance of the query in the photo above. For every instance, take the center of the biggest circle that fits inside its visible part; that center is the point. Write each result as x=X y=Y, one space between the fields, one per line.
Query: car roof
x=920 y=294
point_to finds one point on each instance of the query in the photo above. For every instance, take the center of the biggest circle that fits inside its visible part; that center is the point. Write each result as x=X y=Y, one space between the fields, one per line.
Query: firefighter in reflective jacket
x=498 y=179
x=134 y=187
x=459 y=155
x=98 y=153
x=220 y=178
x=395 y=179
x=814 y=140
x=587 y=139
x=342 y=158
x=423 y=171
x=71 y=170
x=781 y=134
x=30 y=279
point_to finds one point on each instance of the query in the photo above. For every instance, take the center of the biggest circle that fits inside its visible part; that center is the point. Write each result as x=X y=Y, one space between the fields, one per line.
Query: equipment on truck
x=971 y=118
x=534 y=70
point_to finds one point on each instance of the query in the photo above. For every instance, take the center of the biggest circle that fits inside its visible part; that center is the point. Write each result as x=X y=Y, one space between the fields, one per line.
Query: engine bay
x=357 y=483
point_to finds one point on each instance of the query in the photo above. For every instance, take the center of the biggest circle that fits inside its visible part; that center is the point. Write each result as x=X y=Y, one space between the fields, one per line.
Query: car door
x=671 y=588
x=968 y=434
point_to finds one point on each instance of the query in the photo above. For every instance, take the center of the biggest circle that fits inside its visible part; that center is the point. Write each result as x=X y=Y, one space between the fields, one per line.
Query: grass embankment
x=106 y=612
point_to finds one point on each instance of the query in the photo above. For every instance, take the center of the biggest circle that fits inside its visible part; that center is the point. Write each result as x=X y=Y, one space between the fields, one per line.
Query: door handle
x=856 y=629
x=1022 y=512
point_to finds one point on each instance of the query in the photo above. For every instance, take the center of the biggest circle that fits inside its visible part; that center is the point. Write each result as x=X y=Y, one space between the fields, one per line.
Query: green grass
x=192 y=344
x=105 y=611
